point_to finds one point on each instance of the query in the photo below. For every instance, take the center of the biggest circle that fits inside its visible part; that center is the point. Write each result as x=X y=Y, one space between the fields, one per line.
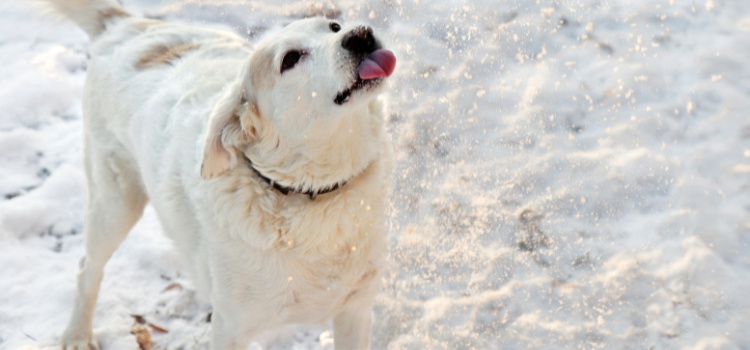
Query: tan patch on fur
x=108 y=14
x=112 y=12
x=163 y=54
x=146 y=23
x=350 y=295
x=366 y=277
x=249 y=113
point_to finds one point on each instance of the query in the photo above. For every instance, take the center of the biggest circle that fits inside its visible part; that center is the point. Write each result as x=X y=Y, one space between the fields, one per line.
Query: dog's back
x=142 y=70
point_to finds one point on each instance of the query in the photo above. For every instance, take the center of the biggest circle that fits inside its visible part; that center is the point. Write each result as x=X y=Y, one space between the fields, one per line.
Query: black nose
x=360 y=40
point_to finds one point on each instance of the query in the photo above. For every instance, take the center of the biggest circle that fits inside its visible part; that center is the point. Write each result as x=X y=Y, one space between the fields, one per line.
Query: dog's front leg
x=351 y=329
x=226 y=334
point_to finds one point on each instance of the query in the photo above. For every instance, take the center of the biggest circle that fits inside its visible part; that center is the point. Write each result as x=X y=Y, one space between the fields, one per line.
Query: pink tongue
x=379 y=64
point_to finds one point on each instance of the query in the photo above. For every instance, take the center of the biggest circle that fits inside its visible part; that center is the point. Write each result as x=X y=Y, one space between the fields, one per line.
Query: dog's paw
x=79 y=343
x=82 y=345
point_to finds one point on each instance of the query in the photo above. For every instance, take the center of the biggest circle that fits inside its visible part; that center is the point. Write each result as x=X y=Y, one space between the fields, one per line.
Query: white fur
x=263 y=259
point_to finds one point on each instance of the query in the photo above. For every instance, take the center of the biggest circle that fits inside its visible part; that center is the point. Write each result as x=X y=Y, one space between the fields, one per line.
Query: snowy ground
x=618 y=130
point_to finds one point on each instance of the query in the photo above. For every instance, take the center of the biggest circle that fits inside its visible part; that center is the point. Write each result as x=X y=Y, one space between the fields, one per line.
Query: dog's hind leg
x=114 y=202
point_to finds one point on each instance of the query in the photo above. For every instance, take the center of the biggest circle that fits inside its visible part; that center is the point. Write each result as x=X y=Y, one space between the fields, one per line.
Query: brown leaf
x=139 y=319
x=172 y=286
x=142 y=336
x=157 y=328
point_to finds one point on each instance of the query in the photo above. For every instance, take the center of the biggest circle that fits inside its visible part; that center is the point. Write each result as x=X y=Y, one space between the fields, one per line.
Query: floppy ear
x=225 y=129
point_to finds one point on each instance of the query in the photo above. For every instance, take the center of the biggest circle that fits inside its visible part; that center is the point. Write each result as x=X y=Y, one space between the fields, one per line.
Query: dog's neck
x=285 y=190
x=319 y=165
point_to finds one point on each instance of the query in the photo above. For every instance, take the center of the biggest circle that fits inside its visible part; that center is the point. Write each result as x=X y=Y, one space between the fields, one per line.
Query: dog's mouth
x=371 y=71
x=360 y=84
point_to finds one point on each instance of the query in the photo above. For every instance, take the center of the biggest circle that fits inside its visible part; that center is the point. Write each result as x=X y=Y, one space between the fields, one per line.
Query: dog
x=268 y=166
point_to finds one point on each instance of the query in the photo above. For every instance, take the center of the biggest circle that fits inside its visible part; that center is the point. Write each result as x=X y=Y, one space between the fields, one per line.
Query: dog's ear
x=226 y=131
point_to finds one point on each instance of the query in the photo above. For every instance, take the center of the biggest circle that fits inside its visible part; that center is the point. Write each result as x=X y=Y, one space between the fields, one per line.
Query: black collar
x=285 y=190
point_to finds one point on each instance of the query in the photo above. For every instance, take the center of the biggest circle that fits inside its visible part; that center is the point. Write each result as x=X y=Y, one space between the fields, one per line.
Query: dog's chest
x=318 y=294
x=297 y=261
x=288 y=288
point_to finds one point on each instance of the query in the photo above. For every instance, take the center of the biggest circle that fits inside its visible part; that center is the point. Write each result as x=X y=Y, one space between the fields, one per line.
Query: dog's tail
x=93 y=16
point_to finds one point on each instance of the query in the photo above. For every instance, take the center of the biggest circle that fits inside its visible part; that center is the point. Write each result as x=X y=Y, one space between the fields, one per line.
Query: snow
x=570 y=174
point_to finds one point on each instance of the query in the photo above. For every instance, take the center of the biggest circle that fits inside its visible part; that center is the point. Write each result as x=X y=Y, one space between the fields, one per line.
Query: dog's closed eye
x=290 y=59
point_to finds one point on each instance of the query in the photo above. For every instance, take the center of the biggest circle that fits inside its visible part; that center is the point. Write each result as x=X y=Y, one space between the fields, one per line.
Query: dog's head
x=306 y=95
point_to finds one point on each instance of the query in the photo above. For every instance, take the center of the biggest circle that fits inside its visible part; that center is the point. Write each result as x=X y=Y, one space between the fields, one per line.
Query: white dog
x=268 y=166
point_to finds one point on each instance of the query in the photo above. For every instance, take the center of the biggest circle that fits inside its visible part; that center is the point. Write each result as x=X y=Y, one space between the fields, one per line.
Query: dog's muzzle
x=373 y=62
